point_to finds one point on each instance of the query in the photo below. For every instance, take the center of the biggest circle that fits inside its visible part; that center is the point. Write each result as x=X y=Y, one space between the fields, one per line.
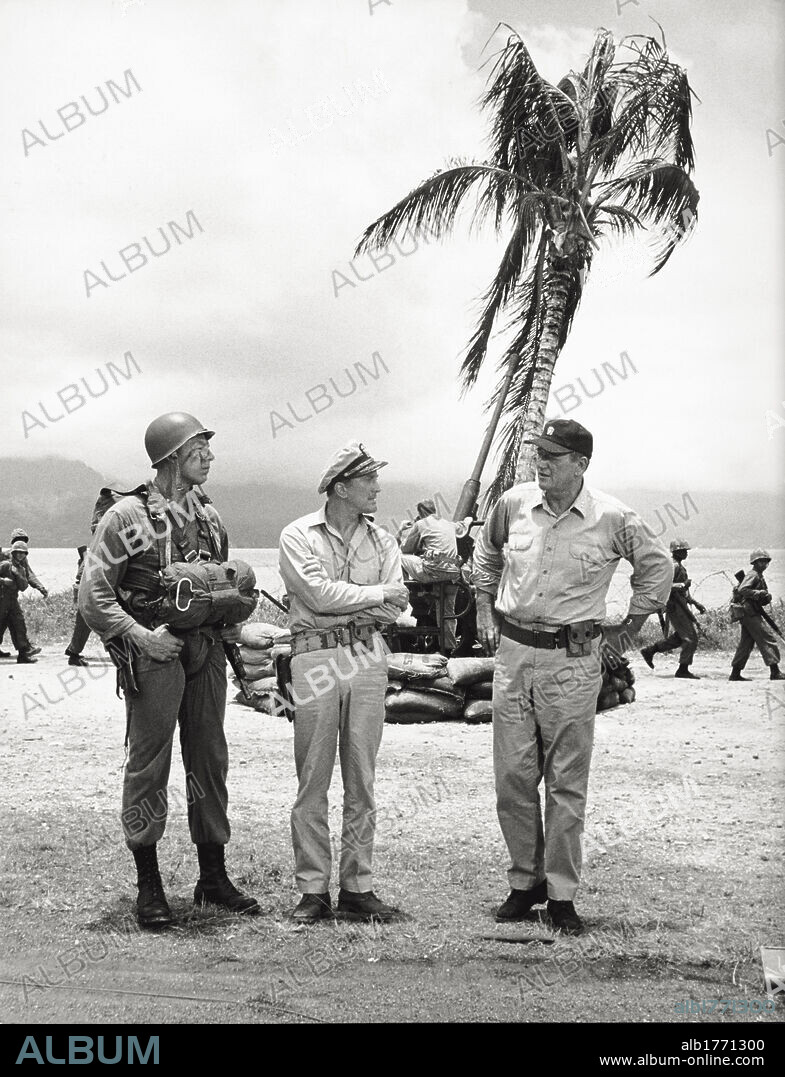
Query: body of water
x=56 y=569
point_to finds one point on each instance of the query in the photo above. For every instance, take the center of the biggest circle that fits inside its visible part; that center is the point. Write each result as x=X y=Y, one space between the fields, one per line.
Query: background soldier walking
x=750 y=598
x=683 y=623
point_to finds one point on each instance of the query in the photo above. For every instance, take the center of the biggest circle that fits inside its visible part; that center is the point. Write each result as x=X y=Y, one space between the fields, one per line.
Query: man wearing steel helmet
x=542 y=567
x=179 y=679
x=751 y=596
x=343 y=577
x=13 y=580
x=685 y=633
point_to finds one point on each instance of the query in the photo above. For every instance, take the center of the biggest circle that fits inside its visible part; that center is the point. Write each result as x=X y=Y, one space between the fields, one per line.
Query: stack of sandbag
x=475 y=676
x=429 y=688
x=618 y=679
x=259 y=644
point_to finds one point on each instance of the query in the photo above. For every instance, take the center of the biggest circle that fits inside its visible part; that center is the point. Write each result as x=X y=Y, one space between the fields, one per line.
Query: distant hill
x=54 y=498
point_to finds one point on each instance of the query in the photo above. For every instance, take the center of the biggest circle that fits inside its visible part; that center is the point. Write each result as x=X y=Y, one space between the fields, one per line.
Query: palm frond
x=662 y=194
x=435 y=203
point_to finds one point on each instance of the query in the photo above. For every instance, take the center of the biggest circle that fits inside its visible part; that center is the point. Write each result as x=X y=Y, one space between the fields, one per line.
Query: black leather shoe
x=312 y=908
x=152 y=908
x=519 y=904
x=24 y=658
x=5 y=654
x=684 y=672
x=647 y=654
x=735 y=674
x=364 y=908
x=564 y=917
x=76 y=659
x=776 y=674
x=214 y=884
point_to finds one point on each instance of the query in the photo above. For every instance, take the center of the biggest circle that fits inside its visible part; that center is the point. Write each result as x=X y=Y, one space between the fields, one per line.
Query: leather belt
x=535 y=637
x=344 y=636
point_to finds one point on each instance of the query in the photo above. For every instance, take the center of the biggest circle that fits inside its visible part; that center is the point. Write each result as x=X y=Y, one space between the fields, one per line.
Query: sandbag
x=258 y=635
x=412 y=717
x=627 y=696
x=470 y=670
x=261 y=684
x=607 y=700
x=259 y=673
x=253 y=657
x=415 y=667
x=480 y=710
x=440 y=705
x=259 y=701
x=481 y=690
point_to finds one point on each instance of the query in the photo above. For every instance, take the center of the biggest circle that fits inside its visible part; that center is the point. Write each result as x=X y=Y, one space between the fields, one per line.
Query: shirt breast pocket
x=518 y=545
x=590 y=561
x=364 y=569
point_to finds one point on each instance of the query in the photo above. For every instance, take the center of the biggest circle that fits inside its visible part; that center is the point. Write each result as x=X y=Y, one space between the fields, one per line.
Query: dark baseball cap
x=565 y=435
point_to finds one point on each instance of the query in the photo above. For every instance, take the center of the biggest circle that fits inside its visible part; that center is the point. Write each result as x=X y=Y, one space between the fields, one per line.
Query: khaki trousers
x=543 y=728
x=339 y=706
x=754 y=630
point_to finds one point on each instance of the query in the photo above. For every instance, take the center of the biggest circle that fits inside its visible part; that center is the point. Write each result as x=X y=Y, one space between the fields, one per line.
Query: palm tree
x=606 y=152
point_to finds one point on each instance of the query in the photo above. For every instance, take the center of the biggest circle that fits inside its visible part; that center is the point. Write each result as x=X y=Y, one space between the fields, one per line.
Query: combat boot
x=25 y=658
x=152 y=908
x=75 y=659
x=214 y=884
x=775 y=674
x=684 y=671
x=647 y=654
x=735 y=674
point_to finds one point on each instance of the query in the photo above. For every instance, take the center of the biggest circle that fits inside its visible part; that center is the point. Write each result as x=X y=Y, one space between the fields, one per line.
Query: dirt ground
x=682 y=883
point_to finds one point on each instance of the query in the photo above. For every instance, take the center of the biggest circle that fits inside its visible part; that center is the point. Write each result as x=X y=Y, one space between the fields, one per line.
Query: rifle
x=274 y=601
x=682 y=603
x=769 y=620
x=235 y=659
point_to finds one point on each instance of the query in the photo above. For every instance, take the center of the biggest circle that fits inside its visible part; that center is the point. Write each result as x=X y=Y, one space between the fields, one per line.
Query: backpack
x=194 y=592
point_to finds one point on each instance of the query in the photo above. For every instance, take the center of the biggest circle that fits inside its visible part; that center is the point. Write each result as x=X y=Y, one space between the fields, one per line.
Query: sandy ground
x=682 y=882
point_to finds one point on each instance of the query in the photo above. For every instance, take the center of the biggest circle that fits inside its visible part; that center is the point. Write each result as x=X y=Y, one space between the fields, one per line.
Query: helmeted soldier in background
x=13 y=580
x=173 y=677
x=749 y=600
x=684 y=632
x=16 y=618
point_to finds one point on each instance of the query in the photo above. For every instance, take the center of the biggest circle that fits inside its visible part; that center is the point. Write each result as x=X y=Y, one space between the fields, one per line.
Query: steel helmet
x=169 y=432
x=759 y=555
x=19 y=547
x=679 y=544
x=19 y=533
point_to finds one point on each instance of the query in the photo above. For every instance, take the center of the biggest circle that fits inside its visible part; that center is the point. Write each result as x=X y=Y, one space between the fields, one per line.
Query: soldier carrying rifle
x=681 y=619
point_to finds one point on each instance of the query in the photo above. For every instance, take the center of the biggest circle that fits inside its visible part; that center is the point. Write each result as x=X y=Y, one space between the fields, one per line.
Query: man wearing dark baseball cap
x=542 y=567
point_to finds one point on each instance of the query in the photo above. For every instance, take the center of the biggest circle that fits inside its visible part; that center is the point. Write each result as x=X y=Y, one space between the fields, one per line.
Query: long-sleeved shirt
x=31 y=577
x=123 y=541
x=749 y=592
x=555 y=570
x=432 y=536
x=331 y=582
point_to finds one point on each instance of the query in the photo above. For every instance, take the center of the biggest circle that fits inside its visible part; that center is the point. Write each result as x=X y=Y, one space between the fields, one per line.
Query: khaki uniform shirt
x=331 y=582
x=554 y=570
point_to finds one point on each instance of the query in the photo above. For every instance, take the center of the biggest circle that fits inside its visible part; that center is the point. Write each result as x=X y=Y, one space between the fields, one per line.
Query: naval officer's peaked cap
x=350 y=462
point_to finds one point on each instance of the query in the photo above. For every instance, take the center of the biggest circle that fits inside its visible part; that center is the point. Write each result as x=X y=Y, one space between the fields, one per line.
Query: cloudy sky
x=284 y=128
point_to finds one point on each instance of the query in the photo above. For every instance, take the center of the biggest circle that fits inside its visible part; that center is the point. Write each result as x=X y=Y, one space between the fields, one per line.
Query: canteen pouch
x=579 y=638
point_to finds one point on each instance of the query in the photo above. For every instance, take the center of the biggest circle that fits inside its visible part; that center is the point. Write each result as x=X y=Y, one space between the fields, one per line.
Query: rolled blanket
x=259 y=635
x=480 y=710
x=470 y=670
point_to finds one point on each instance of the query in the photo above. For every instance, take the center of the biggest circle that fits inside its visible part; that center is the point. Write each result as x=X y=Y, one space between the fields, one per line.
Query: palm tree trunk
x=556 y=288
